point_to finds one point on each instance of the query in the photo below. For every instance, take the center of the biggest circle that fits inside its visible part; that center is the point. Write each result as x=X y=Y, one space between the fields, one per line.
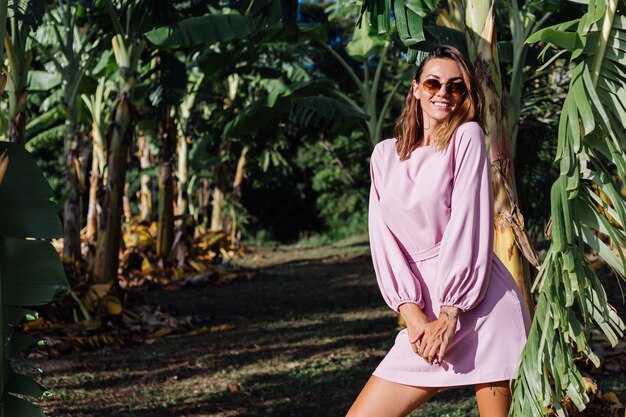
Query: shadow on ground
x=306 y=336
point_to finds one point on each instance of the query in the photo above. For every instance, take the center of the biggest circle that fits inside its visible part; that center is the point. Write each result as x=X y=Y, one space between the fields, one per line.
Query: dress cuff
x=396 y=306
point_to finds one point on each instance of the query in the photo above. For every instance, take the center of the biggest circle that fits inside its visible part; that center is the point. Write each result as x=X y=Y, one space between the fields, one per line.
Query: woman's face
x=439 y=105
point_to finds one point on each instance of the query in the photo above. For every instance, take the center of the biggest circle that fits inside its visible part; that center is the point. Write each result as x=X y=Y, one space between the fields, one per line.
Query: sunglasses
x=456 y=89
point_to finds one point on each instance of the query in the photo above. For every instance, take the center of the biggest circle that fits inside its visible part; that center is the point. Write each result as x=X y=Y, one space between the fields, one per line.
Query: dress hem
x=408 y=378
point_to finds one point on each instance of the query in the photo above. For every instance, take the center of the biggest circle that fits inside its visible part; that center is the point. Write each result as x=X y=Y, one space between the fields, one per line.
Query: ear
x=415 y=89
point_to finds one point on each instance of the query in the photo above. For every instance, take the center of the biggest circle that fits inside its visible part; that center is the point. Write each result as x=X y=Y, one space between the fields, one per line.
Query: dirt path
x=306 y=334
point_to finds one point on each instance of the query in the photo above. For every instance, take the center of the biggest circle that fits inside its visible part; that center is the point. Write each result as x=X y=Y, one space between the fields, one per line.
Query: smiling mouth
x=441 y=105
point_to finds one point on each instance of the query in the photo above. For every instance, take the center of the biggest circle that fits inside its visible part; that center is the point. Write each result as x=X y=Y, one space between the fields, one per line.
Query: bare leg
x=381 y=398
x=494 y=399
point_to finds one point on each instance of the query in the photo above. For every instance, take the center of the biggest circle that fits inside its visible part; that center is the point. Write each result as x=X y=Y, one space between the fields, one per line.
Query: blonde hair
x=409 y=130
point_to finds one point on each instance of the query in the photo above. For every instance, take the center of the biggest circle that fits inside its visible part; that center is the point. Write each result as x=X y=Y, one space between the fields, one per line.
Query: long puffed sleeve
x=395 y=279
x=466 y=251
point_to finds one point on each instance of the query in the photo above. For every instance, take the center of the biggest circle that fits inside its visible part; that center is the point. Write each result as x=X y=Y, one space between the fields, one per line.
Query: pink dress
x=431 y=236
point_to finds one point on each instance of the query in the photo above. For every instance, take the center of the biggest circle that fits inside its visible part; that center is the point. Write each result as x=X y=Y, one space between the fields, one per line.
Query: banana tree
x=23 y=17
x=127 y=47
x=369 y=50
x=189 y=34
x=97 y=106
x=69 y=48
x=170 y=81
x=185 y=138
x=588 y=212
x=525 y=21
x=184 y=133
x=510 y=238
x=28 y=221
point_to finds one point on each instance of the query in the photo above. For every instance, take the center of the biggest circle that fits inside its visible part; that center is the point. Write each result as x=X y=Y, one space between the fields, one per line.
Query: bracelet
x=447 y=313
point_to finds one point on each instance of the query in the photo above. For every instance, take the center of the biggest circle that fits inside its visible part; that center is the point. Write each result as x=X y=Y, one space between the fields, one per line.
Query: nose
x=443 y=86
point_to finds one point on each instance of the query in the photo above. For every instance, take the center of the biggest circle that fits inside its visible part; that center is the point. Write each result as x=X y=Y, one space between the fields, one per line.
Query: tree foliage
x=588 y=212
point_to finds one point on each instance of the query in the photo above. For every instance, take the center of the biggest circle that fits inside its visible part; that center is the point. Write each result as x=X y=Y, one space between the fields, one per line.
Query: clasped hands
x=429 y=339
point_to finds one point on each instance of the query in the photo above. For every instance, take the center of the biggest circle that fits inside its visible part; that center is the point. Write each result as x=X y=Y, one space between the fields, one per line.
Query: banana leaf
x=31 y=273
x=582 y=219
x=202 y=31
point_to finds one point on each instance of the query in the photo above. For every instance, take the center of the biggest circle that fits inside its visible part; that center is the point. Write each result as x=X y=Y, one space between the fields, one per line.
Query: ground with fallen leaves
x=298 y=338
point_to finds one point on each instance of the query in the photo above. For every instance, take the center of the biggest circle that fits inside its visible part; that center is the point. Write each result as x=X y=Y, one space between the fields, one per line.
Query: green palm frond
x=28 y=11
x=407 y=16
x=204 y=30
x=320 y=111
x=307 y=103
x=588 y=211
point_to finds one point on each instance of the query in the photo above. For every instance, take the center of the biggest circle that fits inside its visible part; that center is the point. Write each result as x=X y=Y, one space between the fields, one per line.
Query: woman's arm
x=395 y=279
x=466 y=250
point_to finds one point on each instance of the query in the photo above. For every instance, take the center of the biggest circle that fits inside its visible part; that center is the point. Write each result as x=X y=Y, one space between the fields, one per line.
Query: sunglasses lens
x=432 y=86
x=457 y=89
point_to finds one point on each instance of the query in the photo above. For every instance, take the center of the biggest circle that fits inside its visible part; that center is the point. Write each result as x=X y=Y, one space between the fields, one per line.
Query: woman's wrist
x=452 y=312
x=412 y=314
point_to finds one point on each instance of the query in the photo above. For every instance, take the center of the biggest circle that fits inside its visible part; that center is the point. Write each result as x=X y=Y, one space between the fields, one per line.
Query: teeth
x=438 y=104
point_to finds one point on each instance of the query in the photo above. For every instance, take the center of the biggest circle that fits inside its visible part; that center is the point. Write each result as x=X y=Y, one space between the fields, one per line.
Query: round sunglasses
x=454 y=88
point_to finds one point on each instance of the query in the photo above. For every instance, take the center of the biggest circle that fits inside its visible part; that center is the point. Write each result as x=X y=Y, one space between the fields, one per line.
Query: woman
x=431 y=235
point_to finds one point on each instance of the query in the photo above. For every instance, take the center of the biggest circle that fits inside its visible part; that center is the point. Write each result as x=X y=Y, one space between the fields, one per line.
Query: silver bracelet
x=447 y=313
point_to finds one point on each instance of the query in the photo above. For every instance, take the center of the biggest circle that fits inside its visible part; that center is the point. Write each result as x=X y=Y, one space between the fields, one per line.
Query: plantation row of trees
x=209 y=118
x=151 y=112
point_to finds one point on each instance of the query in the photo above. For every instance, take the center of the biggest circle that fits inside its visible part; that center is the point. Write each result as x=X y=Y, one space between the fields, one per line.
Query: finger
x=417 y=336
x=442 y=350
x=425 y=344
x=420 y=348
x=431 y=354
x=425 y=349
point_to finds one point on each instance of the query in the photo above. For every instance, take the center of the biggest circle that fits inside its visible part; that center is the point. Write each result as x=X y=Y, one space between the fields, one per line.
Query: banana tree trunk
x=204 y=197
x=95 y=182
x=109 y=232
x=217 y=223
x=165 y=222
x=217 y=215
x=183 y=145
x=184 y=225
x=235 y=233
x=182 y=200
x=92 y=210
x=72 y=207
x=127 y=51
x=19 y=64
x=145 y=193
x=239 y=173
x=128 y=211
x=482 y=46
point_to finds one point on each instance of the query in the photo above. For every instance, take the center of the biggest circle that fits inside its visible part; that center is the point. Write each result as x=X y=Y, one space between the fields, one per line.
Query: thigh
x=381 y=398
x=494 y=399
